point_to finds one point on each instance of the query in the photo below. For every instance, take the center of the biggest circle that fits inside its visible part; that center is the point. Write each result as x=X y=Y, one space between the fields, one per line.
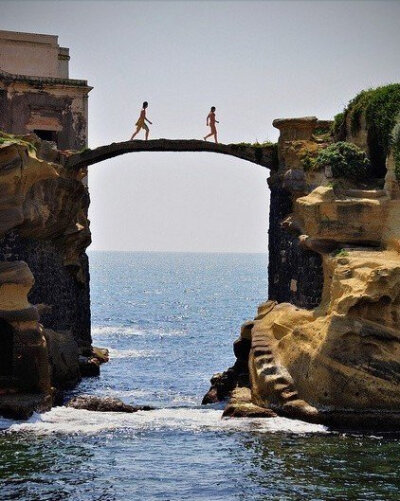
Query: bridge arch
x=179 y=201
x=264 y=154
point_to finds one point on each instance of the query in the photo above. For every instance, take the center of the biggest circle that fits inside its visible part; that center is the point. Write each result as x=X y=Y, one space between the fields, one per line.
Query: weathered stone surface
x=264 y=156
x=102 y=354
x=327 y=349
x=341 y=359
x=104 y=404
x=22 y=344
x=89 y=366
x=237 y=376
x=353 y=220
x=294 y=274
x=23 y=405
x=43 y=221
x=240 y=405
x=63 y=358
x=43 y=236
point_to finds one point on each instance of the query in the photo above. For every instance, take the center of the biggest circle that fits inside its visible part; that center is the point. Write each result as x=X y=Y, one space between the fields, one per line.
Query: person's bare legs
x=147 y=134
x=135 y=133
x=212 y=133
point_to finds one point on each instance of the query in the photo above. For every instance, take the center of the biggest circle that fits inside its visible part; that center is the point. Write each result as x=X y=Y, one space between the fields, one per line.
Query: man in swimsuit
x=141 y=123
x=211 y=122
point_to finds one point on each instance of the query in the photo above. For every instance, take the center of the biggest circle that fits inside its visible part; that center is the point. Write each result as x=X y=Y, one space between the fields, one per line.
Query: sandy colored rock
x=341 y=358
x=347 y=220
x=241 y=406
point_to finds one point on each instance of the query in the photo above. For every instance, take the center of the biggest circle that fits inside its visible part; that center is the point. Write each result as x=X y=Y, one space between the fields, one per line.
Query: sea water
x=169 y=320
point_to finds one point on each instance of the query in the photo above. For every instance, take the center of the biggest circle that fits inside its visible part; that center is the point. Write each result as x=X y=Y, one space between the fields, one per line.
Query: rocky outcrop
x=44 y=279
x=325 y=348
x=63 y=354
x=104 y=404
x=241 y=405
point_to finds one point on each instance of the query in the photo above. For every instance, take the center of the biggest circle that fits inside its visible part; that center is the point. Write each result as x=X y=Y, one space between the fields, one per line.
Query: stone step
x=267 y=371
x=289 y=396
x=283 y=387
x=263 y=359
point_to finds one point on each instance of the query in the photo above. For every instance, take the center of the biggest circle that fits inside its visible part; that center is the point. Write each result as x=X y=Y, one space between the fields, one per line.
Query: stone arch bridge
x=263 y=154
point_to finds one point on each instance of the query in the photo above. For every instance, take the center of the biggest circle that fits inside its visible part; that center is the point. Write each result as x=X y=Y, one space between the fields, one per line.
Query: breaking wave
x=73 y=421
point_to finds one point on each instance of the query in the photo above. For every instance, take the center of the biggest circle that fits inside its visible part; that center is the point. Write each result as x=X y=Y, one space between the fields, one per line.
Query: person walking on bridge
x=141 y=123
x=211 y=122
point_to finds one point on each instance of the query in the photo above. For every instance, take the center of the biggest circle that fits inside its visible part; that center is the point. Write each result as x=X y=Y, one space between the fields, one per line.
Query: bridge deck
x=261 y=155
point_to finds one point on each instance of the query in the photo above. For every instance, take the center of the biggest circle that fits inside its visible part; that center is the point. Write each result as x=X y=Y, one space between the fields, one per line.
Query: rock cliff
x=326 y=347
x=44 y=278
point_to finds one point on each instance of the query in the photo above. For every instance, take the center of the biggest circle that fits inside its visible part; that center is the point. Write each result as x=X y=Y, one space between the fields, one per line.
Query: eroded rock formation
x=44 y=280
x=326 y=347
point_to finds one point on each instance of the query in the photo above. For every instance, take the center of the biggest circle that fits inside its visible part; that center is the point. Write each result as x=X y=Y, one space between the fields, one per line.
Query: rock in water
x=104 y=404
x=240 y=405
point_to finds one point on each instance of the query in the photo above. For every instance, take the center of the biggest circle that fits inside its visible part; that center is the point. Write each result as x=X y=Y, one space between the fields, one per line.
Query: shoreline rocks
x=104 y=404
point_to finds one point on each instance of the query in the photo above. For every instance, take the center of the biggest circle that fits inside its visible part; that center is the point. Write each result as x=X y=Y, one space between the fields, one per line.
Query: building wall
x=26 y=107
x=36 y=94
x=33 y=55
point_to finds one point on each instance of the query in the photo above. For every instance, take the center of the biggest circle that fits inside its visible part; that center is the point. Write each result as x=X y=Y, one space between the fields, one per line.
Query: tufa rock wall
x=326 y=347
x=44 y=276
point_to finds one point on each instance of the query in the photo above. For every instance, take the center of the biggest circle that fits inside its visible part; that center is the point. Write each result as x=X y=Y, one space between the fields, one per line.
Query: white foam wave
x=130 y=353
x=107 y=330
x=110 y=330
x=73 y=421
x=124 y=394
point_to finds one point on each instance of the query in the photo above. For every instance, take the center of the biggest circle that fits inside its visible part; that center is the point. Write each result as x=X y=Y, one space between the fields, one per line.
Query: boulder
x=240 y=405
x=104 y=404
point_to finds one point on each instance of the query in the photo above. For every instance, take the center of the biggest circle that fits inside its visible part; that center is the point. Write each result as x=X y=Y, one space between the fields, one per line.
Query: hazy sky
x=254 y=61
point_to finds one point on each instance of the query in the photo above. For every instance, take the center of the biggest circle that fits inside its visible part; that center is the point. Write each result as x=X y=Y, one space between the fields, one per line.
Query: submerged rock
x=104 y=404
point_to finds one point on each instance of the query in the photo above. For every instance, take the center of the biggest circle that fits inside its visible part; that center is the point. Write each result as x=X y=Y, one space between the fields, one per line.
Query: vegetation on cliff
x=8 y=139
x=380 y=109
x=346 y=160
x=396 y=149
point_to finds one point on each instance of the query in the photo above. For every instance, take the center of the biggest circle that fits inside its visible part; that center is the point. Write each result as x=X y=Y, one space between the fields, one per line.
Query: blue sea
x=169 y=320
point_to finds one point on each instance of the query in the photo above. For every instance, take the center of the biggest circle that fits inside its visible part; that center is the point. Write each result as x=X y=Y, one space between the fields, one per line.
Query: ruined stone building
x=36 y=93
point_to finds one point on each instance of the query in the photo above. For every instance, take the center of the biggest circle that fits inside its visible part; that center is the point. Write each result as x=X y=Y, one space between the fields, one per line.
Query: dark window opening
x=6 y=349
x=47 y=135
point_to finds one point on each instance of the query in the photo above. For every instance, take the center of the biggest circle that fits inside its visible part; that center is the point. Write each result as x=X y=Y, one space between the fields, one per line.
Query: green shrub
x=265 y=144
x=308 y=162
x=380 y=106
x=396 y=149
x=345 y=159
x=338 y=126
